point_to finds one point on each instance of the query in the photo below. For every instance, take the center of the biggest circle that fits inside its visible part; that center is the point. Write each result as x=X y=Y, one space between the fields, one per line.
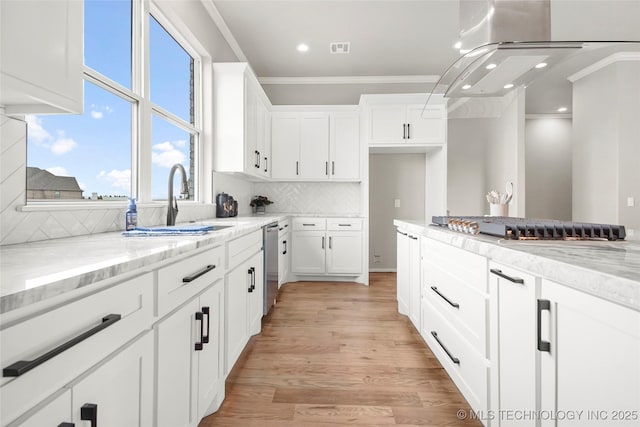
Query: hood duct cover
x=514 y=36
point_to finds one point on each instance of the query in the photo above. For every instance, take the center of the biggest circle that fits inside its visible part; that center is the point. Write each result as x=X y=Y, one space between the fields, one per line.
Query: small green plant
x=260 y=201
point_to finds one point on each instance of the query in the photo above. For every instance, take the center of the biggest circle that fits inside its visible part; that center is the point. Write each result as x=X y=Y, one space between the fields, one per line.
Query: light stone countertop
x=610 y=270
x=33 y=272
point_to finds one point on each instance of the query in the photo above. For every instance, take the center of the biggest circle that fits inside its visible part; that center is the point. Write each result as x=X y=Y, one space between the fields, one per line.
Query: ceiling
x=397 y=46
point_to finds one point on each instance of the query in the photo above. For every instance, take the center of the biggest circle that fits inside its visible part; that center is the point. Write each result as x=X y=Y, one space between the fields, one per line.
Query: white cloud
x=59 y=171
x=120 y=179
x=96 y=114
x=166 y=155
x=63 y=144
x=108 y=109
x=36 y=132
x=180 y=142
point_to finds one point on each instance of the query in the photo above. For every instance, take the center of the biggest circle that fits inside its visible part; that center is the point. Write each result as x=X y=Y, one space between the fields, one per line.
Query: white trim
x=549 y=116
x=611 y=59
x=36 y=206
x=336 y=80
x=224 y=29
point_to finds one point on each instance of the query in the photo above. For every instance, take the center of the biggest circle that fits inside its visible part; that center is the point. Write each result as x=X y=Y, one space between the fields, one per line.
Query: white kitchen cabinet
x=189 y=371
x=326 y=246
x=256 y=296
x=263 y=137
x=406 y=124
x=409 y=276
x=513 y=337
x=589 y=353
x=37 y=36
x=315 y=146
x=284 y=243
x=240 y=110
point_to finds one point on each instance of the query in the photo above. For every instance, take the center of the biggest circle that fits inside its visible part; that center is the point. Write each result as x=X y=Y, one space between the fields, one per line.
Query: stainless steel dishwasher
x=270 y=266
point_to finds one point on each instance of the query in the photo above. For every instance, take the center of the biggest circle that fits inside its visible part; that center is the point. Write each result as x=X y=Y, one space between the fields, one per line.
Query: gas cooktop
x=529 y=228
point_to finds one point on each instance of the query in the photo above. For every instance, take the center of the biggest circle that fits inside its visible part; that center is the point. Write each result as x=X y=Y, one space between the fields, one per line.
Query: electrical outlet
x=396 y=203
x=631 y=202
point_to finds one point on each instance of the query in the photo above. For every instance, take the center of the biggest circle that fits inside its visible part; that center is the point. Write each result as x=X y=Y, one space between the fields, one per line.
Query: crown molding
x=611 y=59
x=335 y=80
x=224 y=29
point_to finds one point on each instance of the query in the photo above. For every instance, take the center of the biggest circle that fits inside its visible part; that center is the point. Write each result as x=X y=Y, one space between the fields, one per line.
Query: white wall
x=548 y=168
x=606 y=153
x=393 y=176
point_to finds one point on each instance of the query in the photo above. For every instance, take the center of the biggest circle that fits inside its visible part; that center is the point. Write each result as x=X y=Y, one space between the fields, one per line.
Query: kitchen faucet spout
x=172 y=208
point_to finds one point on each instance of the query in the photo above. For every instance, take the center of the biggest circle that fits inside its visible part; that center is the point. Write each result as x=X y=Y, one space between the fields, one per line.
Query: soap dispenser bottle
x=131 y=217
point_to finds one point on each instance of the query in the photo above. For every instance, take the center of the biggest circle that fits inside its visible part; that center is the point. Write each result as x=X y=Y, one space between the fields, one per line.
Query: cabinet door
x=386 y=124
x=308 y=252
x=414 y=280
x=345 y=147
x=283 y=259
x=256 y=296
x=263 y=138
x=237 y=286
x=426 y=127
x=592 y=363
x=252 y=155
x=403 y=268
x=210 y=366
x=122 y=388
x=513 y=323
x=344 y=252
x=314 y=146
x=176 y=367
x=285 y=146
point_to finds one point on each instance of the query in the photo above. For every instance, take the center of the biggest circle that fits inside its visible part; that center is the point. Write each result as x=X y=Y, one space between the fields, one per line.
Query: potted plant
x=258 y=204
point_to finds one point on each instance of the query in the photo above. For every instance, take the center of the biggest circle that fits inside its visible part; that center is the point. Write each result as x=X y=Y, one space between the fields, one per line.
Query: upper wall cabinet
x=316 y=146
x=41 y=56
x=404 y=120
x=241 y=117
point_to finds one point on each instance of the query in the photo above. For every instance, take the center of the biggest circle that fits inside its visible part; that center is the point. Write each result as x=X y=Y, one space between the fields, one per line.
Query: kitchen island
x=529 y=331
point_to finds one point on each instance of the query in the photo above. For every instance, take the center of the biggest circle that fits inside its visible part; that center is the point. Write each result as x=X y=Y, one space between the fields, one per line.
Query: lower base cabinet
x=190 y=381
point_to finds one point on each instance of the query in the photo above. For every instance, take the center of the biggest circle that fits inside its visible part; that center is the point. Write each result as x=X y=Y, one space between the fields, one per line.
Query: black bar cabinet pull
x=197 y=274
x=504 y=276
x=322 y=242
x=266 y=165
x=199 y=316
x=253 y=278
x=413 y=237
x=89 y=412
x=257 y=165
x=451 y=303
x=404 y=131
x=453 y=359
x=344 y=225
x=250 y=273
x=18 y=368
x=66 y=424
x=205 y=312
x=297 y=168
x=285 y=247
x=326 y=168
x=307 y=225
x=543 y=304
x=333 y=167
x=330 y=241
x=400 y=232
x=408 y=130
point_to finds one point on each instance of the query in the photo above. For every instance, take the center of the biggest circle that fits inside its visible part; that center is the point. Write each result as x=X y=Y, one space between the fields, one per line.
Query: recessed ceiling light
x=302 y=47
x=508 y=86
x=465 y=87
x=562 y=109
x=491 y=66
x=541 y=65
x=458 y=45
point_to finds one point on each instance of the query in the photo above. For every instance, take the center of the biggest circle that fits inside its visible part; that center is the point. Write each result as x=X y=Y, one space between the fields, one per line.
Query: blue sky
x=95 y=147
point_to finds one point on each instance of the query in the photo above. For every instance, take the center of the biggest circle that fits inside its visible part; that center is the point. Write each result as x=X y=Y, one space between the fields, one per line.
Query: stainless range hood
x=506 y=44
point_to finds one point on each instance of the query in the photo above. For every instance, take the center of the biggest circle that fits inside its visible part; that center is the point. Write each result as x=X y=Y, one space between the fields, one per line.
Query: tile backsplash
x=312 y=197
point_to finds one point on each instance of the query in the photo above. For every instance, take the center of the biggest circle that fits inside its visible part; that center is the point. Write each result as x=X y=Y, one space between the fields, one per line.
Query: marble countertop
x=32 y=272
x=610 y=270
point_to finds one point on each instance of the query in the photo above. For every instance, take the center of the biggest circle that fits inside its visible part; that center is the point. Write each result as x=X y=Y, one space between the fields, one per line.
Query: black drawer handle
x=308 y=225
x=504 y=276
x=404 y=131
x=18 y=368
x=250 y=273
x=345 y=225
x=206 y=311
x=66 y=424
x=203 y=338
x=89 y=412
x=413 y=237
x=285 y=247
x=452 y=304
x=266 y=169
x=543 y=304
x=408 y=130
x=253 y=278
x=400 y=232
x=453 y=359
x=197 y=274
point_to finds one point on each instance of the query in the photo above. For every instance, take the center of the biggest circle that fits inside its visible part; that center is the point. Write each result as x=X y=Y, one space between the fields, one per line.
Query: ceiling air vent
x=339 y=47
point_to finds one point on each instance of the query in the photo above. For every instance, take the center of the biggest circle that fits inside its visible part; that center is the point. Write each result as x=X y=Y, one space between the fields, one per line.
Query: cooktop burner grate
x=530 y=229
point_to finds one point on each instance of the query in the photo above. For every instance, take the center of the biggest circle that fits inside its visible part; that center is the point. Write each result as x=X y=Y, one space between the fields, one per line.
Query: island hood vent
x=506 y=44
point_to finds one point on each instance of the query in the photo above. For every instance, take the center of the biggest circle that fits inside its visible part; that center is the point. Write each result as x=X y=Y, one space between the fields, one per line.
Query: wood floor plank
x=338 y=354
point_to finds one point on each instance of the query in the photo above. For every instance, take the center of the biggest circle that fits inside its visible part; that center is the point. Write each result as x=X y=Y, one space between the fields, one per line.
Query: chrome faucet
x=172 y=209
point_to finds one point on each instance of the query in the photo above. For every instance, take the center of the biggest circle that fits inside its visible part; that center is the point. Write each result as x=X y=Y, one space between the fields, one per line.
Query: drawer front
x=344 y=224
x=467 y=368
x=243 y=247
x=183 y=279
x=309 y=224
x=283 y=227
x=462 y=305
x=55 y=329
x=464 y=265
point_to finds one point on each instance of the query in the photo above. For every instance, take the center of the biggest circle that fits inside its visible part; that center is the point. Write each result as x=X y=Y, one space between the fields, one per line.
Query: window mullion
x=141 y=77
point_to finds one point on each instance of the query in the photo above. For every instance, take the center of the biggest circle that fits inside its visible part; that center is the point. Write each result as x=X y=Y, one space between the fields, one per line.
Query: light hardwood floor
x=338 y=353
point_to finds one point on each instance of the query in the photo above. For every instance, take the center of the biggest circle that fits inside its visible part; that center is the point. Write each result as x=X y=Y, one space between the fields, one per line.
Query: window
x=138 y=120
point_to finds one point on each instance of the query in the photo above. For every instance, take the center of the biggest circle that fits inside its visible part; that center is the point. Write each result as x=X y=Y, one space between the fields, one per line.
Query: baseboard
x=382 y=270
